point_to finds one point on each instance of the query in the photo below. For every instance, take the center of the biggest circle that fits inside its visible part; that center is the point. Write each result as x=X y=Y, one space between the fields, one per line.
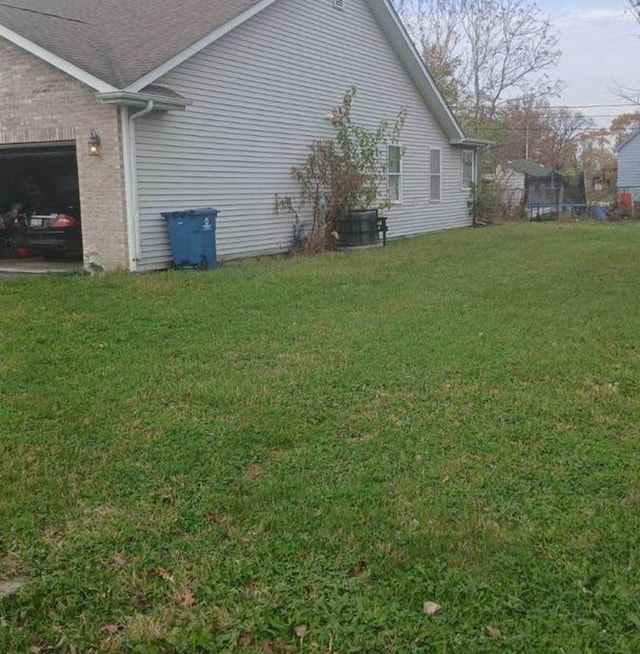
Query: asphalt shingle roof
x=118 y=41
x=531 y=168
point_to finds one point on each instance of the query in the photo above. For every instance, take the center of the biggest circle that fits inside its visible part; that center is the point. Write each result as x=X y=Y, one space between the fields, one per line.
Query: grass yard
x=296 y=455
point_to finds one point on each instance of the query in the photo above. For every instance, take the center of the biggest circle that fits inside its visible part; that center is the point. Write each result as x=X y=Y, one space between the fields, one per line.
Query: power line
x=550 y=129
x=554 y=110
x=569 y=106
x=590 y=106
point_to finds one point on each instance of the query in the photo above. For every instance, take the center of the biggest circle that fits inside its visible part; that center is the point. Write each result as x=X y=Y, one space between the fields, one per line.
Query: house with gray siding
x=211 y=103
x=629 y=167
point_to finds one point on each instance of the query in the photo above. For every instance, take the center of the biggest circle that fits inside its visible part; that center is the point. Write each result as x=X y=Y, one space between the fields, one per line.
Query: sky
x=600 y=41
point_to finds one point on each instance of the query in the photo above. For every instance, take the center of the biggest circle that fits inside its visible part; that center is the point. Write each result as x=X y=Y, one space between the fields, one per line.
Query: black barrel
x=359 y=228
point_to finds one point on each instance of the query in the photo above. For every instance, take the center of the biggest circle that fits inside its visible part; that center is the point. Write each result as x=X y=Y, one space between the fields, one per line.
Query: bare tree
x=511 y=48
x=561 y=143
x=434 y=25
x=434 y=22
x=625 y=93
x=600 y=165
x=535 y=130
x=497 y=47
x=624 y=126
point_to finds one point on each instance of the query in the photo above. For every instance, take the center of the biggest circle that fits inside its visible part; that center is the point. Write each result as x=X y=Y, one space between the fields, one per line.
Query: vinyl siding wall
x=629 y=168
x=260 y=97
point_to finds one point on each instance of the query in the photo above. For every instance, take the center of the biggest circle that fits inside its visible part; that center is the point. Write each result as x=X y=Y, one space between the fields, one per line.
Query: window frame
x=432 y=175
x=473 y=170
x=399 y=174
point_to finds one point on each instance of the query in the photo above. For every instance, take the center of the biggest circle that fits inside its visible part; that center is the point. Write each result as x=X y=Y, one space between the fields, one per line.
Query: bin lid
x=191 y=213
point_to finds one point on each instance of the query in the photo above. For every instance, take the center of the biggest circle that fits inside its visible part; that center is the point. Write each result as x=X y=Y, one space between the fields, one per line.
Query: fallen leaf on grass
x=253 y=472
x=169 y=499
x=493 y=632
x=166 y=575
x=186 y=598
x=245 y=640
x=217 y=518
x=365 y=438
x=111 y=628
x=632 y=500
x=119 y=559
x=431 y=608
x=301 y=630
x=142 y=602
x=11 y=587
x=359 y=568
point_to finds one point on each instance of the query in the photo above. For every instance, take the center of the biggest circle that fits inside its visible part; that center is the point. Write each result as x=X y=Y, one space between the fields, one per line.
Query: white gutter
x=130 y=180
x=141 y=100
x=60 y=63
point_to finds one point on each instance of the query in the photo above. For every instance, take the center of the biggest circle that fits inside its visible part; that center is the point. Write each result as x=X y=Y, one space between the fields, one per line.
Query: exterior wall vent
x=339 y=4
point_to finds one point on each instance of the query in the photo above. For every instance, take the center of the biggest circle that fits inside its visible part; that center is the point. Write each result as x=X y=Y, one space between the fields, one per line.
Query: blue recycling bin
x=600 y=212
x=193 y=237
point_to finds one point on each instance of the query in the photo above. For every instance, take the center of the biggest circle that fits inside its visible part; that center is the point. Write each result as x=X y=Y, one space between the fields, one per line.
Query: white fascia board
x=192 y=50
x=60 y=63
x=471 y=142
x=406 y=50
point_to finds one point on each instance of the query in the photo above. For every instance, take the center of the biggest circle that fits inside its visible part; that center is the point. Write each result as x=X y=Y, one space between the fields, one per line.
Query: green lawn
x=195 y=462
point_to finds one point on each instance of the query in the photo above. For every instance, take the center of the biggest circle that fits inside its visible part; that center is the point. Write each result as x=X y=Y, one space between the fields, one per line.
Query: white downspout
x=131 y=181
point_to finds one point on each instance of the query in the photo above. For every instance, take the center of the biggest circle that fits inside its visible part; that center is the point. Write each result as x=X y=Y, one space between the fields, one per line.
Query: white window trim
x=399 y=175
x=431 y=198
x=473 y=170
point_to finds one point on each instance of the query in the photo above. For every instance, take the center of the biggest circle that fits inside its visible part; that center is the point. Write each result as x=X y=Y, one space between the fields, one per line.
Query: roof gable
x=528 y=167
x=128 y=44
x=117 y=41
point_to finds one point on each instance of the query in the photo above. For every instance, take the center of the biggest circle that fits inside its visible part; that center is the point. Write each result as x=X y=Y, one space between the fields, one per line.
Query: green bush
x=486 y=202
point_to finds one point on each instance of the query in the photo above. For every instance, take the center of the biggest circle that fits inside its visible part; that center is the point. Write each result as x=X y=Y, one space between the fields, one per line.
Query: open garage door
x=40 y=201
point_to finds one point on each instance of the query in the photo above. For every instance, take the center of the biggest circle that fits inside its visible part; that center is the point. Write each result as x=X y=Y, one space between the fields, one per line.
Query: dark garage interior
x=40 y=202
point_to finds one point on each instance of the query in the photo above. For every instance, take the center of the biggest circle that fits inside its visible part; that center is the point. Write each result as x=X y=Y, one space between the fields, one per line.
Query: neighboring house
x=512 y=183
x=542 y=186
x=539 y=189
x=629 y=167
x=210 y=103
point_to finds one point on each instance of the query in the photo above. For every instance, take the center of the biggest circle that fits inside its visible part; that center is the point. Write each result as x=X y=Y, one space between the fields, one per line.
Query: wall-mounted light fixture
x=94 y=143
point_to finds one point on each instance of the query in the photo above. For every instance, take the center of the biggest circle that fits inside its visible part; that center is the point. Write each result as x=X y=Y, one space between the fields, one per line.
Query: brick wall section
x=39 y=103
